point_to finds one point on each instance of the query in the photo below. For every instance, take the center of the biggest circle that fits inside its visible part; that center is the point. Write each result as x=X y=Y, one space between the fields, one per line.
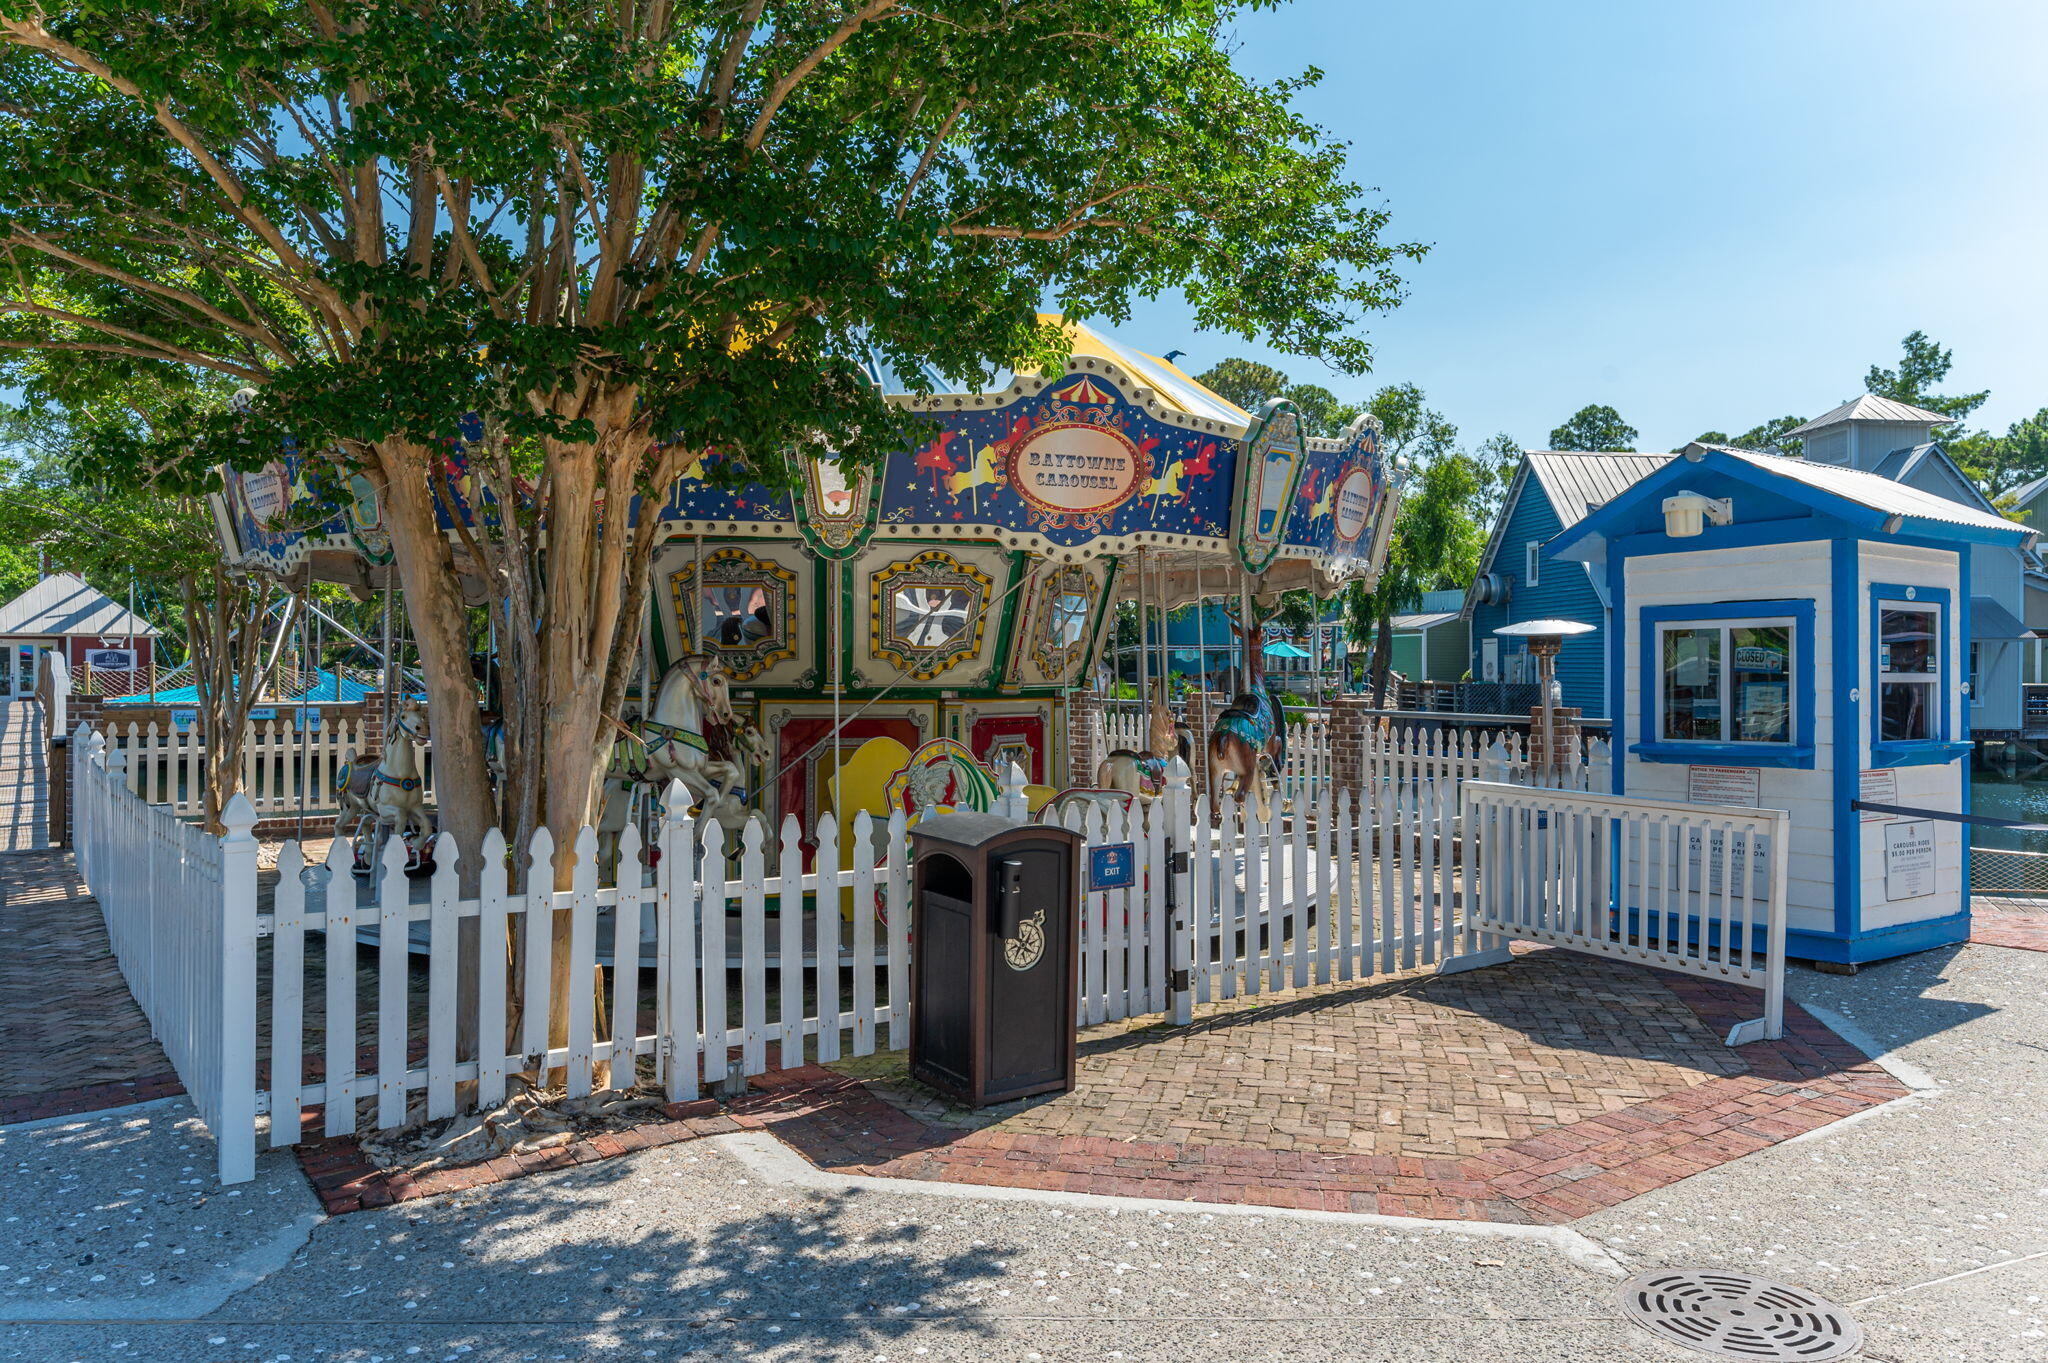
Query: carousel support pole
x=1180 y=820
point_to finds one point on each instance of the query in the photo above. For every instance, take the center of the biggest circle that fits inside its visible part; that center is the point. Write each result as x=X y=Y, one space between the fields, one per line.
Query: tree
x=2002 y=463
x=1438 y=532
x=1496 y=459
x=1251 y=385
x=1768 y=437
x=387 y=219
x=587 y=246
x=1595 y=427
x=1922 y=365
x=1436 y=543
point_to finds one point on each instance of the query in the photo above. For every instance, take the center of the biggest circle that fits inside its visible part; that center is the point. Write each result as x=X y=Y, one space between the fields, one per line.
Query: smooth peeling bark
x=440 y=631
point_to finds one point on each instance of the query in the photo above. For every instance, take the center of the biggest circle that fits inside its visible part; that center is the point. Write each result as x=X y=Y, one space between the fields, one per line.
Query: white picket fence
x=723 y=938
x=180 y=910
x=1693 y=888
x=286 y=768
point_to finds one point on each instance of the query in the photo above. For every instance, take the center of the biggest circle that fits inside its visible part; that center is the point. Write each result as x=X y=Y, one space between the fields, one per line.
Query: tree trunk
x=1382 y=660
x=440 y=630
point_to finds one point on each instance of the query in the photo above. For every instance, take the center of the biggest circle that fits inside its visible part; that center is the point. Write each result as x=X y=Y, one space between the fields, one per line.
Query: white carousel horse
x=389 y=797
x=1143 y=774
x=695 y=697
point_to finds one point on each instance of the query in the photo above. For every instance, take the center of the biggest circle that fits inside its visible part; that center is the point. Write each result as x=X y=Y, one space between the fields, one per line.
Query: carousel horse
x=388 y=796
x=693 y=704
x=1249 y=744
x=1143 y=774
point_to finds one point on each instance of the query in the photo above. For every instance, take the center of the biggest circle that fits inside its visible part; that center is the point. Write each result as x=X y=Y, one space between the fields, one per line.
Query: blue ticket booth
x=1793 y=635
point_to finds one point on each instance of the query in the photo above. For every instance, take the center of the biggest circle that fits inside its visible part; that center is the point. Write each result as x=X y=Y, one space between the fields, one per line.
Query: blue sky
x=1704 y=215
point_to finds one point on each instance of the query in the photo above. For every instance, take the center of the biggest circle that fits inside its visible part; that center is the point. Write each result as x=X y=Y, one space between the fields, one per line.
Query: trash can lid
x=965 y=827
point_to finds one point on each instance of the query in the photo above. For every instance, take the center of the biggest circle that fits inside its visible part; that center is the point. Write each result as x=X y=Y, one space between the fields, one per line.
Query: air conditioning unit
x=1491 y=589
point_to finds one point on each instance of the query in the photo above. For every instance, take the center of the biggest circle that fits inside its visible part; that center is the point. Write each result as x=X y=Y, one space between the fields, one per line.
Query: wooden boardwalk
x=24 y=785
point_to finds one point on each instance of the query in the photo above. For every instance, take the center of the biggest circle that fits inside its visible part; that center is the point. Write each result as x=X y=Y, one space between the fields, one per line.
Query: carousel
x=907 y=635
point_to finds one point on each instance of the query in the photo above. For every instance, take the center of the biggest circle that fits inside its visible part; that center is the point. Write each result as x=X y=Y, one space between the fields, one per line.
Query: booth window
x=1909 y=630
x=1730 y=680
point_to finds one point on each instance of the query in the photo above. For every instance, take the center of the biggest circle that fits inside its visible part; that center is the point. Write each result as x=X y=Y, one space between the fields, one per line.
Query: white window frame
x=1727 y=691
x=1532 y=563
x=1936 y=709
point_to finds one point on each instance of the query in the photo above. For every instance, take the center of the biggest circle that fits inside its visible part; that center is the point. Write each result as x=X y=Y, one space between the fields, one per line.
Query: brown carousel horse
x=1249 y=742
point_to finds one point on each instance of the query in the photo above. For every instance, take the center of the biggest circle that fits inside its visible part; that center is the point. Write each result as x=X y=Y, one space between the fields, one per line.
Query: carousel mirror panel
x=1066 y=608
x=739 y=609
x=928 y=613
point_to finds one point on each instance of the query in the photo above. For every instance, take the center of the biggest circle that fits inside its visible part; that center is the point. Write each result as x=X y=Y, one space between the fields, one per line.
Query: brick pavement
x=1567 y=1085
x=2017 y=923
x=74 y=1039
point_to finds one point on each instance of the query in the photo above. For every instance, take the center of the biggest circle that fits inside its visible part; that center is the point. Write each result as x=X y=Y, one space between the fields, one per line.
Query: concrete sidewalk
x=1921 y=1216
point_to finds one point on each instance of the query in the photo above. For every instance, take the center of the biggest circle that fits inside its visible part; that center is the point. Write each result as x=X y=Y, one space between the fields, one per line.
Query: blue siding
x=1563 y=590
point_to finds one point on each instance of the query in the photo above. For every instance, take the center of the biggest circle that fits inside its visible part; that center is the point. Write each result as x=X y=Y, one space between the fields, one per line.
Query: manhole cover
x=1734 y=1315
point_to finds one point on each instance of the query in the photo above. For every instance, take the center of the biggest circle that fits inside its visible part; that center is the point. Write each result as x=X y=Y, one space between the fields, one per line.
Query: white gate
x=1687 y=887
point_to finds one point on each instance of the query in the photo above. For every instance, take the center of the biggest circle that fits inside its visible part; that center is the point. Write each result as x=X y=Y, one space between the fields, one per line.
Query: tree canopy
x=1768 y=437
x=1251 y=385
x=611 y=237
x=1922 y=364
x=1595 y=427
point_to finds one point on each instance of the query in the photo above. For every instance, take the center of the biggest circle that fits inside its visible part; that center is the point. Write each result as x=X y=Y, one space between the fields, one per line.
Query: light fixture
x=1686 y=514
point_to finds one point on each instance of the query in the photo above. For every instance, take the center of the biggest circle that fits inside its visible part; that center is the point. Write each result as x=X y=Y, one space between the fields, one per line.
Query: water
x=2002 y=792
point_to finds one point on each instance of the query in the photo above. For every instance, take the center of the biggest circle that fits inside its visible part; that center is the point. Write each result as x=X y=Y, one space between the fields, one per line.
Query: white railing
x=180 y=910
x=1693 y=888
x=285 y=768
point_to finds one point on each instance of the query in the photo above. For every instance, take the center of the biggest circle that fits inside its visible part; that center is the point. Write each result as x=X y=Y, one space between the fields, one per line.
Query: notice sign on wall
x=1880 y=787
x=1723 y=786
x=1909 y=859
x=1716 y=856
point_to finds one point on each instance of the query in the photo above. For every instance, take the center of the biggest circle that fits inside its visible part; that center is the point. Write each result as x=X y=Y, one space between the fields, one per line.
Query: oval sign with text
x=1355 y=504
x=1077 y=469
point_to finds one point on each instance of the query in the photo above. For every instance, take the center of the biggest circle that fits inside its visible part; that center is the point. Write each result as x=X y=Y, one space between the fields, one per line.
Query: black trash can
x=995 y=905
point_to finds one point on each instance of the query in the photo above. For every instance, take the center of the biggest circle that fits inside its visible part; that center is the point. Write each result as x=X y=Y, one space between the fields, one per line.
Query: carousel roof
x=1173 y=388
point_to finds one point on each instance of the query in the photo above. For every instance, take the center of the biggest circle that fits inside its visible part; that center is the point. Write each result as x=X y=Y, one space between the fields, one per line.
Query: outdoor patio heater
x=1545 y=638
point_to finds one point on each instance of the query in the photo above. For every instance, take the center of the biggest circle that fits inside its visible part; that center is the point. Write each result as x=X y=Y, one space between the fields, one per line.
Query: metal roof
x=1577 y=481
x=1426 y=620
x=1871 y=407
x=63 y=605
x=2027 y=491
x=1989 y=621
x=1876 y=492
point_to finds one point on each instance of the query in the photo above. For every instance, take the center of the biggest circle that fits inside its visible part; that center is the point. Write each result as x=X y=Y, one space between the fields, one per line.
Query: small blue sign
x=263 y=712
x=306 y=717
x=1112 y=866
x=184 y=719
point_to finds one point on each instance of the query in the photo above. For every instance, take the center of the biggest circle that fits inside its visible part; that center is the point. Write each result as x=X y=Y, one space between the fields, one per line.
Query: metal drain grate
x=1735 y=1315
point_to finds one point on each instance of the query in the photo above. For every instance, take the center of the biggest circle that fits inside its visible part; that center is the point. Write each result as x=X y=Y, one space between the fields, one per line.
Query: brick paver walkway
x=73 y=1037
x=24 y=788
x=2017 y=923
x=1539 y=1092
